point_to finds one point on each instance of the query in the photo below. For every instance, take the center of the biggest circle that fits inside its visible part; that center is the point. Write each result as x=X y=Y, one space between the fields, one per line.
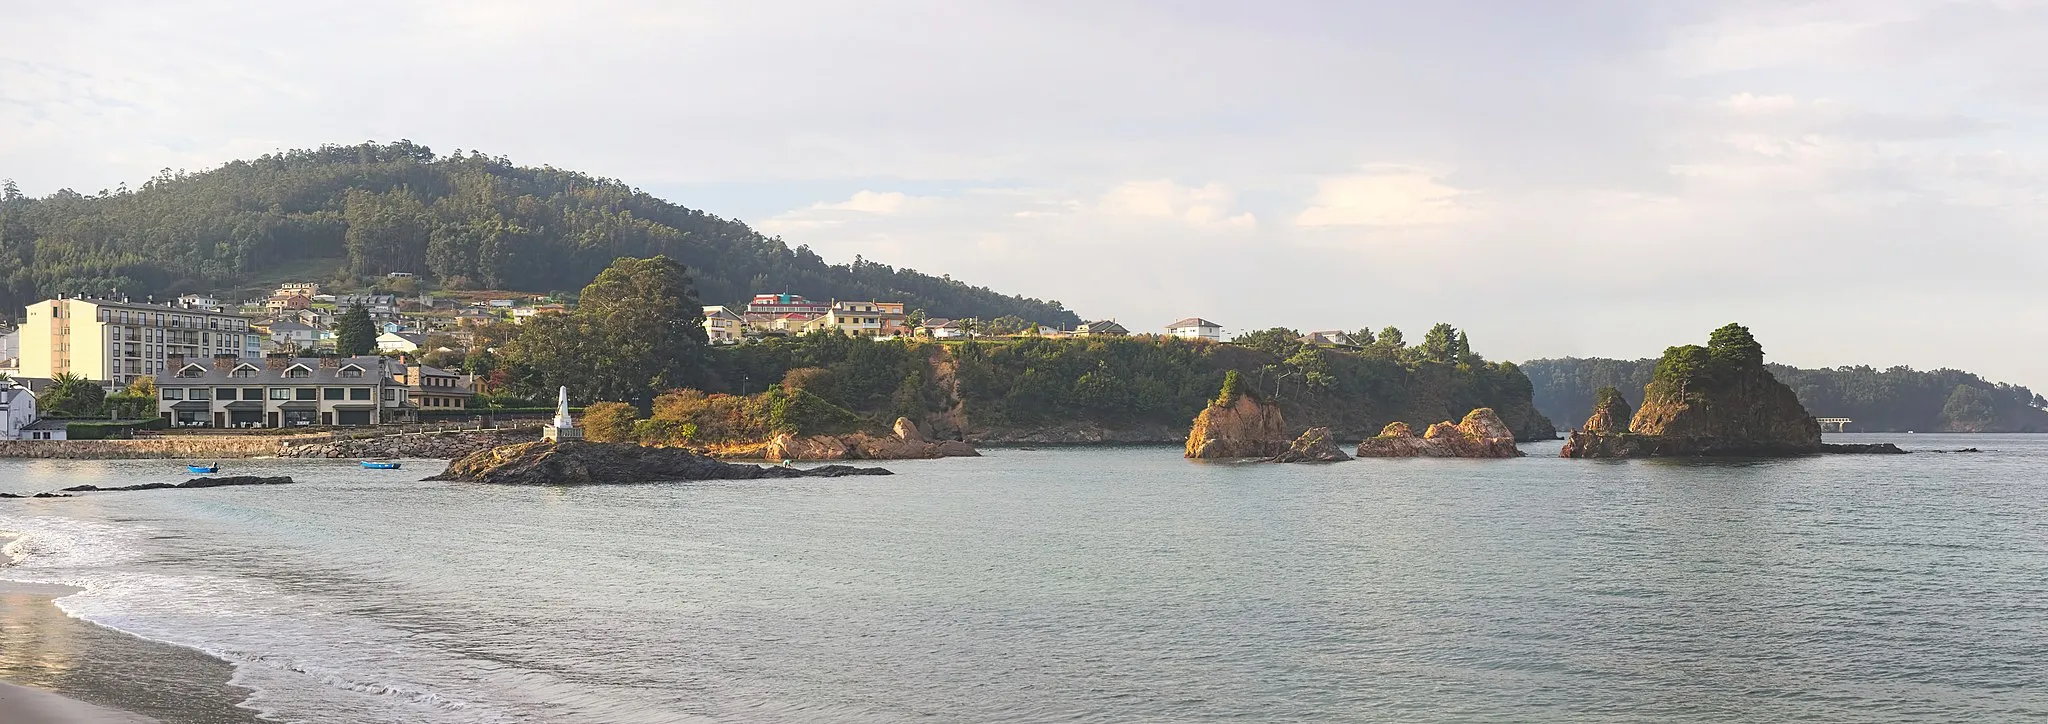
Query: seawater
x=1086 y=585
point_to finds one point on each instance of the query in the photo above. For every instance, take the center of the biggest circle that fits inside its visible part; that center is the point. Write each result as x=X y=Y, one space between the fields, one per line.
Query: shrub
x=609 y=422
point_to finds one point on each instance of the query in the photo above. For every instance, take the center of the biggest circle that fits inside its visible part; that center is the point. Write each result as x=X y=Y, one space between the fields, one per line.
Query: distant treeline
x=461 y=220
x=1889 y=400
x=1122 y=383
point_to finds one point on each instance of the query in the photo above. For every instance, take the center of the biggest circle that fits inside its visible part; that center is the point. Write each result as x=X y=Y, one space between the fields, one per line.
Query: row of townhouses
x=281 y=391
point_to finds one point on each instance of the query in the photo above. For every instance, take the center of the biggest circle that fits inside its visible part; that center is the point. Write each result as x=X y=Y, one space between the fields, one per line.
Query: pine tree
x=355 y=334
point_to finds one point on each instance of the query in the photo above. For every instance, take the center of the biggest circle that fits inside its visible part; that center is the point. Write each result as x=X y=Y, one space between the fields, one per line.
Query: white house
x=202 y=301
x=943 y=329
x=723 y=326
x=400 y=341
x=17 y=410
x=1196 y=328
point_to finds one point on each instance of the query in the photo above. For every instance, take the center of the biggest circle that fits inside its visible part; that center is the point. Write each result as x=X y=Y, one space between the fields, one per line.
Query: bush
x=802 y=413
x=609 y=422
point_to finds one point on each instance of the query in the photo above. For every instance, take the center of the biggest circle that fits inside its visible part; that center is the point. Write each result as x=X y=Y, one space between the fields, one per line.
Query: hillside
x=462 y=221
x=1890 y=400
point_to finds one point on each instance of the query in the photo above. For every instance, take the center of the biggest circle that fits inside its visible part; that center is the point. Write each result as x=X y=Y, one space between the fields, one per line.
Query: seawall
x=207 y=447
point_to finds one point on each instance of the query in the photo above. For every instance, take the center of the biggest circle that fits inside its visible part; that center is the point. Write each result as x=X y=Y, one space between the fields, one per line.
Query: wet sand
x=62 y=670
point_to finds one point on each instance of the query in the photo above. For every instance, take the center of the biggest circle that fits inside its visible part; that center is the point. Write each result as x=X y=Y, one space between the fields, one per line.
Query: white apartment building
x=1196 y=328
x=115 y=341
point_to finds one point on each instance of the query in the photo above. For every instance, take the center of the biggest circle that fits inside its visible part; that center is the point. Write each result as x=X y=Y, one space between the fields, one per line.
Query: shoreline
x=58 y=669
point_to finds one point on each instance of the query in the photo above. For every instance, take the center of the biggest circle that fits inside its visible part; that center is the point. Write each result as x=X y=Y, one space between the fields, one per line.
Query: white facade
x=1196 y=328
x=17 y=410
x=399 y=342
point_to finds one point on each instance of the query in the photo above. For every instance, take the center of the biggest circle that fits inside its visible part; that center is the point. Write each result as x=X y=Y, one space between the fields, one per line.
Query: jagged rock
x=193 y=483
x=446 y=445
x=859 y=446
x=957 y=449
x=1242 y=427
x=1313 y=446
x=1717 y=400
x=907 y=430
x=1481 y=434
x=583 y=463
x=1611 y=412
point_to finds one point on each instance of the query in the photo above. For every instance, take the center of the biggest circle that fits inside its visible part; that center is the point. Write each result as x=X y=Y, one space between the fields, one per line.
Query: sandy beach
x=56 y=669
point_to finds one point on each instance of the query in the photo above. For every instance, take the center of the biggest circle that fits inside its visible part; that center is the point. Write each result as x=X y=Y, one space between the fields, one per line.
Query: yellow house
x=865 y=319
x=115 y=341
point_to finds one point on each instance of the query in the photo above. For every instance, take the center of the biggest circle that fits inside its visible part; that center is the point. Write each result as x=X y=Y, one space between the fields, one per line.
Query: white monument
x=562 y=428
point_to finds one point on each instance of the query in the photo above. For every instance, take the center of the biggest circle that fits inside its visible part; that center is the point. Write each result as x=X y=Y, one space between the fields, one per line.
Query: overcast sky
x=1860 y=181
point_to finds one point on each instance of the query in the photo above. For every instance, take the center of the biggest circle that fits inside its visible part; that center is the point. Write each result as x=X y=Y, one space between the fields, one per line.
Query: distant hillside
x=1890 y=400
x=463 y=221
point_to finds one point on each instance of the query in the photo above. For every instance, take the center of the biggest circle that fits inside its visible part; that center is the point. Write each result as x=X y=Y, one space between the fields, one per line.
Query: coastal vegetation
x=1894 y=399
x=351 y=214
x=1713 y=400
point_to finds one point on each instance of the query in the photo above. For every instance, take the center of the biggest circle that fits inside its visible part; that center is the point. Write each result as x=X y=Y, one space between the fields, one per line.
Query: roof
x=1193 y=322
x=47 y=424
x=373 y=368
x=288 y=326
x=413 y=337
x=937 y=323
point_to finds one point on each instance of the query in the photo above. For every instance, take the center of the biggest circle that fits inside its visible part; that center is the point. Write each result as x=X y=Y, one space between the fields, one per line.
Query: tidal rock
x=223 y=482
x=1861 y=448
x=1480 y=435
x=1313 y=446
x=1611 y=412
x=1716 y=400
x=1238 y=426
x=862 y=446
x=583 y=463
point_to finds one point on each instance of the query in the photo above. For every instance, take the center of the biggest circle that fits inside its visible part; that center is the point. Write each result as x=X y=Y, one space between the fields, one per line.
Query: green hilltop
x=352 y=213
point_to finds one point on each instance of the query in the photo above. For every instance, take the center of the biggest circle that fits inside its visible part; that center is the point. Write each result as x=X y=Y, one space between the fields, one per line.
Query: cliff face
x=1716 y=400
x=1481 y=434
x=1243 y=427
x=1610 y=412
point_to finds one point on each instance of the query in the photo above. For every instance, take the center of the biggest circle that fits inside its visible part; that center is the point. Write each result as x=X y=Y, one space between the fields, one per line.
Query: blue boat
x=214 y=468
x=380 y=465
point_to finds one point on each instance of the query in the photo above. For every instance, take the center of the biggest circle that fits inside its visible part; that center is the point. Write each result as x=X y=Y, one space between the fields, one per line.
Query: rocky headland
x=443 y=445
x=1237 y=424
x=1314 y=446
x=1481 y=434
x=1716 y=400
x=588 y=463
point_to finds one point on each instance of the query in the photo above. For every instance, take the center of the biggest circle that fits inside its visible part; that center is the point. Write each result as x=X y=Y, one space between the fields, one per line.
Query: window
x=359 y=393
x=191 y=372
x=199 y=393
x=390 y=394
x=172 y=393
x=252 y=393
x=298 y=373
x=333 y=393
x=309 y=393
x=351 y=371
x=280 y=393
x=224 y=393
x=243 y=372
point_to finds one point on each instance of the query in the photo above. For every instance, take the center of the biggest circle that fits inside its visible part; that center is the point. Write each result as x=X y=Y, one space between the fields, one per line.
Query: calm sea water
x=1085 y=585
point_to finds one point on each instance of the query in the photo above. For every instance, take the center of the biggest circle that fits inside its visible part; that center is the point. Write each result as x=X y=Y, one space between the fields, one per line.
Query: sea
x=1119 y=584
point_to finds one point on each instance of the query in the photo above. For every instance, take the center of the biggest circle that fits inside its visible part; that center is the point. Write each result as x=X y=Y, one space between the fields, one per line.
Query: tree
x=70 y=395
x=1277 y=341
x=1732 y=346
x=1440 y=344
x=638 y=330
x=1969 y=409
x=1231 y=384
x=609 y=422
x=1462 y=350
x=354 y=333
x=1390 y=338
x=1363 y=337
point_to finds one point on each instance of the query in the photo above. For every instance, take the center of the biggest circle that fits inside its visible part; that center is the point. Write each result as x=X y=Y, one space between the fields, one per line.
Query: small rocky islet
x=605 y=463
x=1239 y=424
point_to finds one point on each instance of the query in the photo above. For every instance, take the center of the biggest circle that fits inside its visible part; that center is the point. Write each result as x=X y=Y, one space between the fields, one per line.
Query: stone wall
x=210 y=447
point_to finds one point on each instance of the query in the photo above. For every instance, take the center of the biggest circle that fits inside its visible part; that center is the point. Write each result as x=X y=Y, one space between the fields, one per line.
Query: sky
x=1859 y=181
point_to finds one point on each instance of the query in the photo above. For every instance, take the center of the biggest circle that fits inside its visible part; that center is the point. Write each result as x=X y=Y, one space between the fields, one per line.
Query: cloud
x=1210 y=205
x=1390 y=196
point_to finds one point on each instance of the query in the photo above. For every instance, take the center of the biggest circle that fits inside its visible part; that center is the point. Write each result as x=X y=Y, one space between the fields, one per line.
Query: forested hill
x=463 y=220
x=1890 y=400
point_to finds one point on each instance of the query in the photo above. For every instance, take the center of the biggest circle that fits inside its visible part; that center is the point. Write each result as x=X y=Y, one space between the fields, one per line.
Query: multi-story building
x=864 y=319
x=1196 y=328
x=281 y=391
x=302 y=289
x=433 y=388
x=723 y=326
x=777 y=305
x=114 y=341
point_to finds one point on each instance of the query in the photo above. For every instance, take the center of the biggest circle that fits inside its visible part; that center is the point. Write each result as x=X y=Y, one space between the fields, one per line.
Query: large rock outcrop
x=1238 y=425
x=907 y=443
x=583 y=463
x=1314 y=446
x=1611 y=412
x=1717 y=400
x=1480 y=435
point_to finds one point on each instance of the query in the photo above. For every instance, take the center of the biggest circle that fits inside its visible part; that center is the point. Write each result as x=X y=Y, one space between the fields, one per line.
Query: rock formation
x=582 y=463
x=1237 y=425
x=445 y=445
x=1610 y=412
x=1480 y=435
x=1314 y=446
x=1713 y=400
x=908 y=443
x=193 y=483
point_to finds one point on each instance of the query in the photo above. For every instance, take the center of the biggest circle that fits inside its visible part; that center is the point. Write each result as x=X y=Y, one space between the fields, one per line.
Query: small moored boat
x=214 y=468
x=380 y=464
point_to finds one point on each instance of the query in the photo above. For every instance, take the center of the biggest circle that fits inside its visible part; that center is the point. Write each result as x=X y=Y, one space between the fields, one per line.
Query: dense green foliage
x=462 y=220
x=354 y=333
x=1894 y=399
x=637 y=332
x=71 y=395
x=608 y=422
x=1124 y=382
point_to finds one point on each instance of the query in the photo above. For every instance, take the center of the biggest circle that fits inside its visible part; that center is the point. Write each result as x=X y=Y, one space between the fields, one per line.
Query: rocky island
x=1717 y=400
x=1481 y=434
x=1237 y=424
x=1314 y=446
x=588 y=463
